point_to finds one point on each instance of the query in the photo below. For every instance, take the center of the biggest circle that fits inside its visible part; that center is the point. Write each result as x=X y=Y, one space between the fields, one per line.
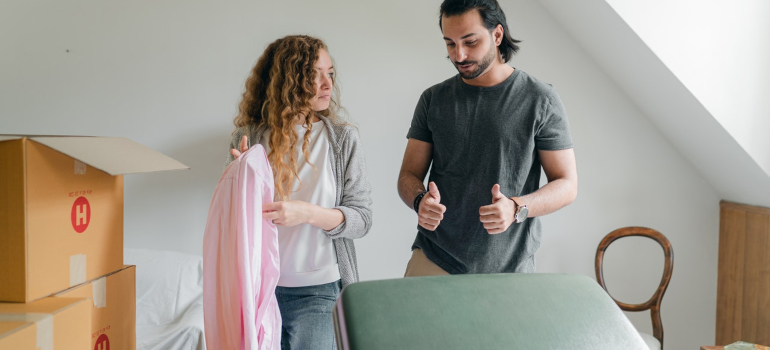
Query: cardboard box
x=51 y=323
x=113 y=308
x=61 y=209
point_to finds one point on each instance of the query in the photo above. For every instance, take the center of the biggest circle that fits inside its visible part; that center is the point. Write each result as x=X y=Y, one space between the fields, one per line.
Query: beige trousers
x=420 y=265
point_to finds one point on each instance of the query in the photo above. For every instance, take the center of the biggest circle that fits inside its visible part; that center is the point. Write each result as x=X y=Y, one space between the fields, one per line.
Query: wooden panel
x=12 y=229
x=763 y=284
x=744 y=208
x=730 y=275
x=743 y=301
x=751 y=259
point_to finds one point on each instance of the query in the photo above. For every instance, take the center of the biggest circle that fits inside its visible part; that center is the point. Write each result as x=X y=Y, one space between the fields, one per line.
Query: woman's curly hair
x=279 y=93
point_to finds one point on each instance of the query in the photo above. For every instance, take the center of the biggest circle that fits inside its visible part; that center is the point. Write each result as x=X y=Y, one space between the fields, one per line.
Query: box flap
x=44 y=306
x=113 y=155
x=64 y=292
x=8 y=327
x=9 y=137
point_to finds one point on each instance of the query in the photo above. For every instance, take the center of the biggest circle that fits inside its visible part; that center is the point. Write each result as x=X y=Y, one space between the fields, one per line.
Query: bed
x=169 y=299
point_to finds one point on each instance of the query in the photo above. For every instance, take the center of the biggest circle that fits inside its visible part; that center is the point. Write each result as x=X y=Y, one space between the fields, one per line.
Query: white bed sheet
x=169 y=299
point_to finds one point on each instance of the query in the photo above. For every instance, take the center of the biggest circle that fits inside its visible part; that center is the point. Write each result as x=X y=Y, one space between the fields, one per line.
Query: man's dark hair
x=491 y=14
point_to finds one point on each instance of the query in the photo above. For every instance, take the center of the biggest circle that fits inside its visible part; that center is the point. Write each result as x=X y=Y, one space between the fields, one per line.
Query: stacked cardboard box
x=49 y=323
x=61 y=238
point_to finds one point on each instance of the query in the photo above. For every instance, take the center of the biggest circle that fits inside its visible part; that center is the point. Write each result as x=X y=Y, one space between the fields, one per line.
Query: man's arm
x=417 y=158
x=561 y=189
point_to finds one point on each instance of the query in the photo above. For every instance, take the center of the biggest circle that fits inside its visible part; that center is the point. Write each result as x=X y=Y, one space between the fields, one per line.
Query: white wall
x=170 y=76
x=629 y=175
x=720 y=52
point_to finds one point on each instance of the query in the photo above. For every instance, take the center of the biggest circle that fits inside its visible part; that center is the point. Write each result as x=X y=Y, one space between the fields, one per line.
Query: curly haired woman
x=323 y=202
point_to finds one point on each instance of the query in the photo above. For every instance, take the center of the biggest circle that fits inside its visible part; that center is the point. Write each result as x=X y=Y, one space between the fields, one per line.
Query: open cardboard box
x=61 y=209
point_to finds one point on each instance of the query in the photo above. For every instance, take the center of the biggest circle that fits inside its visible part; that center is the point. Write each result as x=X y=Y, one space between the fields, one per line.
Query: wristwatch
x=521 y=211
x=417 y=200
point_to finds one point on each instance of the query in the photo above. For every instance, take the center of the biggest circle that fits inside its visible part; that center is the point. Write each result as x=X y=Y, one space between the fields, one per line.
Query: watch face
x=522 y=214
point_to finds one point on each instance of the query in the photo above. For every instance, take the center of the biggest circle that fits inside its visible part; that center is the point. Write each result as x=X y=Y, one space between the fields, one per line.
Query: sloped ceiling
x=665 y=100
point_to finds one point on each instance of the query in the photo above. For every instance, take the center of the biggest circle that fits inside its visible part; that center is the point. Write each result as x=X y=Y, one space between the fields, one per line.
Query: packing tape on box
x=43 y=324
x=80 y=167
x=99 y=292
x=77 y=269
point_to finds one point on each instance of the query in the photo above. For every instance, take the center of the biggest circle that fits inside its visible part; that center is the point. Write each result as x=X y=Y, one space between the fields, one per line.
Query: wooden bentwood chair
x=654 y=303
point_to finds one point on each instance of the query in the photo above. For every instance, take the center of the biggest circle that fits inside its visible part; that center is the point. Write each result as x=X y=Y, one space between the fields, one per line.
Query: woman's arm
x=351 y=219
x=356 y=204
x=238 y=143
x=294 y=212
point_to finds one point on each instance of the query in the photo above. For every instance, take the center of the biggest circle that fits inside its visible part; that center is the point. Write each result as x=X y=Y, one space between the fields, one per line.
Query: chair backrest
x=653 y=304
x=498 y=311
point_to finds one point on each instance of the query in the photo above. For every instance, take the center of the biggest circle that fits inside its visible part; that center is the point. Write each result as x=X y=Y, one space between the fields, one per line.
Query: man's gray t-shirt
x=482 y=136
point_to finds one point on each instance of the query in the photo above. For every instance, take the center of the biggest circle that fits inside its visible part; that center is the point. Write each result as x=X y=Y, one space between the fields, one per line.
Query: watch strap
x=417 y=200
x=517 y=209
x=517 y=203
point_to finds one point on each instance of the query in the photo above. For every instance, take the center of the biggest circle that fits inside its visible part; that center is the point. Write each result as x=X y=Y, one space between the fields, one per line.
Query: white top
x=307 y=254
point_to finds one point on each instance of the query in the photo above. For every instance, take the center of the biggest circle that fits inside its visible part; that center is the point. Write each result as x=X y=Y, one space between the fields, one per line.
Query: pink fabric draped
x=240 y=259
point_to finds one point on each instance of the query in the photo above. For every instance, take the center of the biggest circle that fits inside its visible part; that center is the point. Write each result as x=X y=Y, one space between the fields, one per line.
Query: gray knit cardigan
x=353 y=190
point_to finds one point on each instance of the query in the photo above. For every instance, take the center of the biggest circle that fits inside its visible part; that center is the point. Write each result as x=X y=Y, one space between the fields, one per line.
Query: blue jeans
x=306 y=313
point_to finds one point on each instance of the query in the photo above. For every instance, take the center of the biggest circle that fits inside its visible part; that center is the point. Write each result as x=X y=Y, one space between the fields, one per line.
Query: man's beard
x=480 y=67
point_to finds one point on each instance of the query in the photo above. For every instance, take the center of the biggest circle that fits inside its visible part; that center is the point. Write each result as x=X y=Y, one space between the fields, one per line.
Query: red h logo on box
x=81 y=214
x=102 y=343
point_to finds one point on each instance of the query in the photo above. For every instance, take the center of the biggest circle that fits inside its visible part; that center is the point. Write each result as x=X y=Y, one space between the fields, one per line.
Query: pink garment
x=240 y=259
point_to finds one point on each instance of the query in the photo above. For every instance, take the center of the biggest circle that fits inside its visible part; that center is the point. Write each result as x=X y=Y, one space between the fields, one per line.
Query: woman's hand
x=287 y=213
x=244 y=147
x=292 y=213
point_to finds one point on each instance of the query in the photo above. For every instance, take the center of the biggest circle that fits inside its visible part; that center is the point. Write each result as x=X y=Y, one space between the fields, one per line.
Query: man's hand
x=431 y=211
x=287 y=213
x=244 y=147
x=498 y=216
